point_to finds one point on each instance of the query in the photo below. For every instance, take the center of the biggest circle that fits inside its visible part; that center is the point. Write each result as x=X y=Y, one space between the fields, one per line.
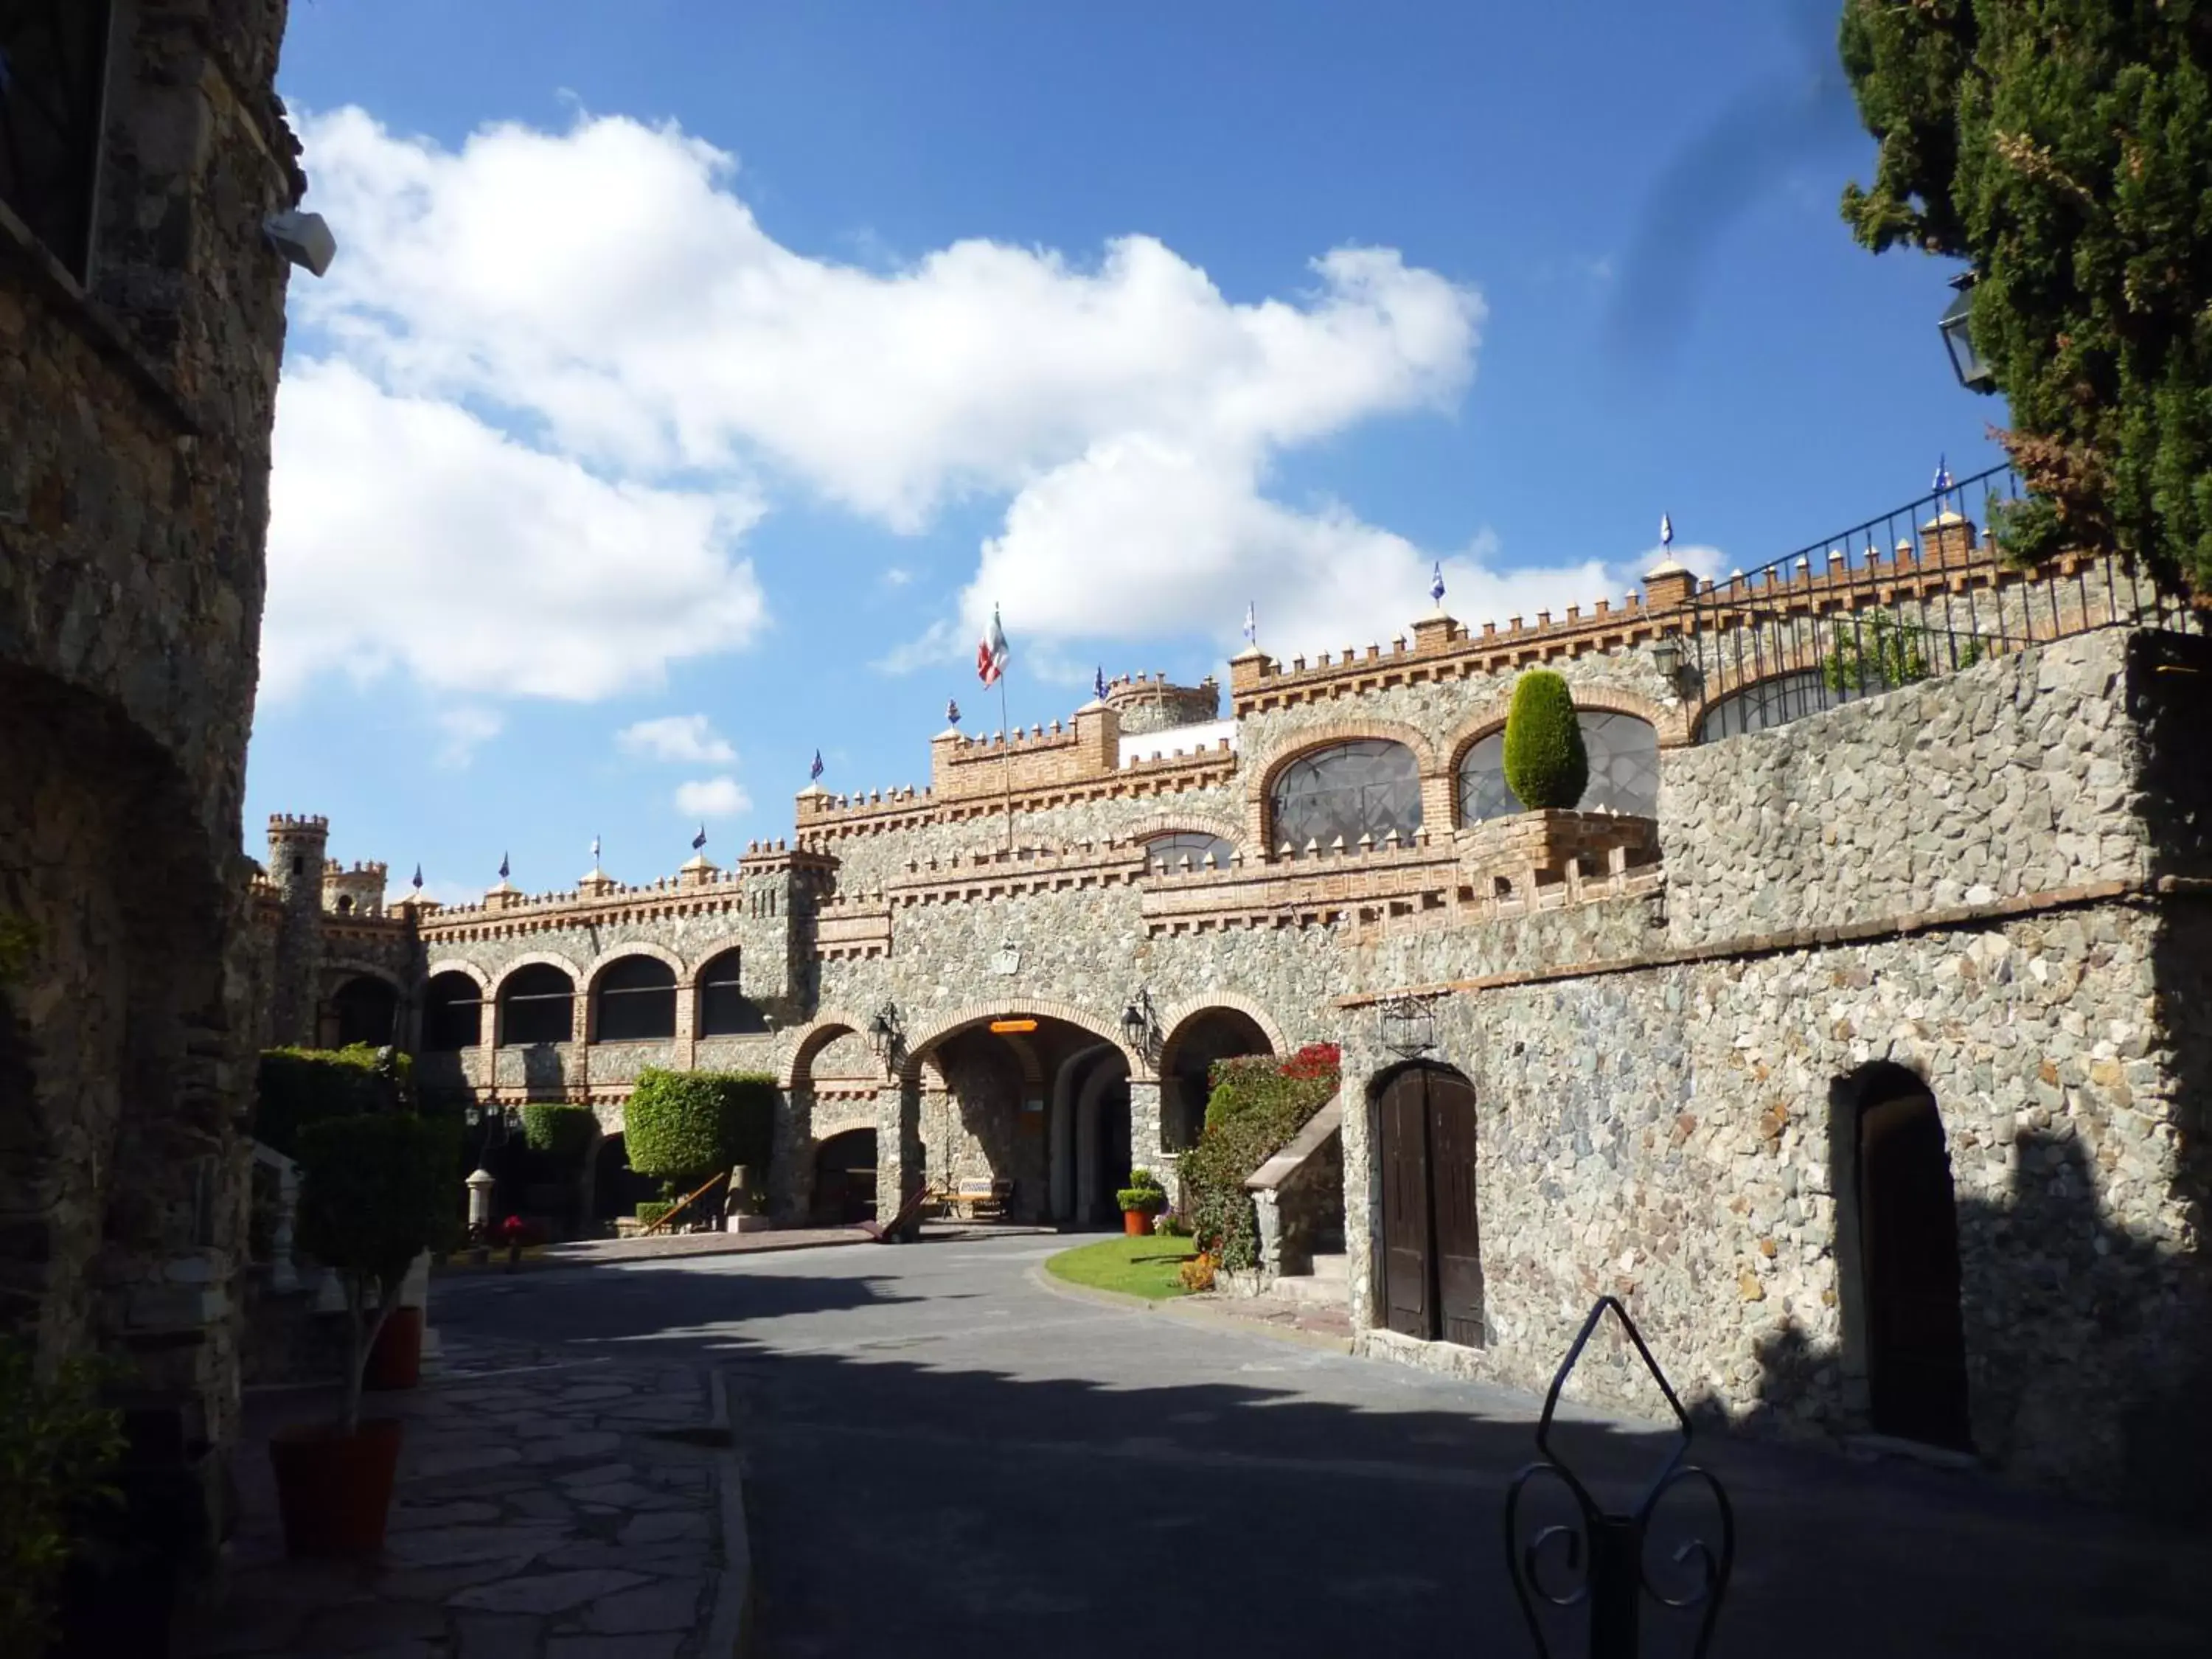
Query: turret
x=296 y=871
x=355 y=892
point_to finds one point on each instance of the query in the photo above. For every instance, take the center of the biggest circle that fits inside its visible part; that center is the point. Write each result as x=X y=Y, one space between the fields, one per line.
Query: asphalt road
x=946 y=1457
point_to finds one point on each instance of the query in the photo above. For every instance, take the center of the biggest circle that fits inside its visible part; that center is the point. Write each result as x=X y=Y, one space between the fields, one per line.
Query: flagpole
x=1007 y=756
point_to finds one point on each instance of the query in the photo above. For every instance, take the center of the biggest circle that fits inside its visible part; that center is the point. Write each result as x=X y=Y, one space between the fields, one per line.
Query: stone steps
x=1327 y=1286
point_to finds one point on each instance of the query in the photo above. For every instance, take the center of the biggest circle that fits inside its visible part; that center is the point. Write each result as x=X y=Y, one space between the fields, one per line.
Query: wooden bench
x=981 y=1199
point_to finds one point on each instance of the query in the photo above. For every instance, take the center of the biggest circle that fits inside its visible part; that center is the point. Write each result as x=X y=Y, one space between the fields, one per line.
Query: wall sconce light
x=1674 y=667
x=1139 y=1025
x=885 y=1032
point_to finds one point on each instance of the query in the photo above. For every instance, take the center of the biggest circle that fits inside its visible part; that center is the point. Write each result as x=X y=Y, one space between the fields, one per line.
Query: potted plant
x=1140 y=1201
x=374 y=1196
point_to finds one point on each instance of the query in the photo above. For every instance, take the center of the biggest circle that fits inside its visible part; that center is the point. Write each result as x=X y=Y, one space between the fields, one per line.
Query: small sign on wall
x=1008 y=960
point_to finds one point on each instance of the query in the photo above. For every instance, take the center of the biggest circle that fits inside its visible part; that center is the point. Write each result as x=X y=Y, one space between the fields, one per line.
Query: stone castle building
x=1850 y=1030
x=142 y=322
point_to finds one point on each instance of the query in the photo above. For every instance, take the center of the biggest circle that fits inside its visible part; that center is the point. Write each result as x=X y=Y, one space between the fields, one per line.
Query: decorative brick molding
x=1013 y=1006
x=589 y=984
x=1674 y=723
x=1173 y=1020
x=459 y=965
x=514 y=964
x=1531 y=849
x=816 y=1034
x=824 y=818
x=1263 y=769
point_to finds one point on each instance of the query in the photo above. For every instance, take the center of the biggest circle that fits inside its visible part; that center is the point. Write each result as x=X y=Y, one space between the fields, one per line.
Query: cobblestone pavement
x=538 y=1515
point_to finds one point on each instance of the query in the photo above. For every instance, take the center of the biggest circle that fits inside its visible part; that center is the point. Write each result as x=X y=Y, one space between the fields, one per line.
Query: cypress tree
x=1546 y=764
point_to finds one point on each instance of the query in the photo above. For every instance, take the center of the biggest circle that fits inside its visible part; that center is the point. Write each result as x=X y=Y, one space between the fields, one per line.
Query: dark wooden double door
x=1431 y=1245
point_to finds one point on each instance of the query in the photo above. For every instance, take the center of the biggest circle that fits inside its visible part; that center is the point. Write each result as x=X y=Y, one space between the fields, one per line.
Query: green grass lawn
x=1135 y=1267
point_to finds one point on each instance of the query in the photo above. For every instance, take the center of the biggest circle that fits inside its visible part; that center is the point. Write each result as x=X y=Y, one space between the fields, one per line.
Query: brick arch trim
x=533 y=958
x=1183 y=1013
x=1724 y=685
x=707 y=953
x=1187 y=823
x=976 y=1013
x=615 y=953
x=459 y=965
x=1673 y=725
x=346 y=968
x=1328 y=735
x=825 y=1028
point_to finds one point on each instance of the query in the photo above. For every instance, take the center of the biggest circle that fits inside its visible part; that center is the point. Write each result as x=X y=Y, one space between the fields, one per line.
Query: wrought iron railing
x=1917 y=592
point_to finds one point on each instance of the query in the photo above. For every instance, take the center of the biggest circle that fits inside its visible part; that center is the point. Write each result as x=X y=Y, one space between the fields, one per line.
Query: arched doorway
x=634 y=1001
x=1425 y=1141
x=844 y=1178
x=1090 y=1135
x=1187 y=1064
x=364 y=1010
x=1906 y=1278
x=1108 y=1140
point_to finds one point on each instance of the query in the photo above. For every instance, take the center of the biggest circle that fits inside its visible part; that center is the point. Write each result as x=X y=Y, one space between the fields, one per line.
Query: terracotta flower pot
x=335 y=1490
x=1137 y=1223
x=396 y=1361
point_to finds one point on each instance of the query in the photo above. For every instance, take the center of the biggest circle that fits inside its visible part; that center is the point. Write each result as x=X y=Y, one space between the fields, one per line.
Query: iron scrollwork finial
x=1599 y=1559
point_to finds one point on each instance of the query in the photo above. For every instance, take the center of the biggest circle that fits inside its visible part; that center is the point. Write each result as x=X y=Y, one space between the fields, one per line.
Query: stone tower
x=1147 y=702
x=355 y=892
x=295 y=870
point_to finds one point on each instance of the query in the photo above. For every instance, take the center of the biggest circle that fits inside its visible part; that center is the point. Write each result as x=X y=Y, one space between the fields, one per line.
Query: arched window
x=450 y=1017
x=536 y=1004
x=1770 y=702
x=724 y=1008
x=636 y=1000
x=1170 y=850
x=346 y=904
x=368 y=1009
x=1370 y=787
x=1624 y=769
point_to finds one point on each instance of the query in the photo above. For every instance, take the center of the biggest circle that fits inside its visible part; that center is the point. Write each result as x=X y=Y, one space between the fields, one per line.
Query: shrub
x=688 y=1125
x=57 y=1446
x=653 y=1209
x=1257 y=1105
x=377 y=1193
x=1143 y=1193
x=1545 y=764
x=1168 y=1224
x=297 y=1087
x=557 y=1132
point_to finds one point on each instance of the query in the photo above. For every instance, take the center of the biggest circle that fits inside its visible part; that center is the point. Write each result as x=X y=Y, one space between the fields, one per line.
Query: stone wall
x=136 y=393
x=2012 y=778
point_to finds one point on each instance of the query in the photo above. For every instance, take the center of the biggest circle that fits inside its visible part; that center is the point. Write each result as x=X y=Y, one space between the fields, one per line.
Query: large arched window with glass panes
x=637 y=998
x=1769 y=703
x=1624 y=769
x=536 y=1004
x=1369 y=788
x=724 y=1010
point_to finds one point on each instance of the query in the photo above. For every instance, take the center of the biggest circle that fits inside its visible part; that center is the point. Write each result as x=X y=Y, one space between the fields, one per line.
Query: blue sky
x=695 y=373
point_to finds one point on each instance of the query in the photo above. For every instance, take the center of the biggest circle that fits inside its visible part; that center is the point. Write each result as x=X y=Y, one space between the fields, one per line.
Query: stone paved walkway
x=539 y=1515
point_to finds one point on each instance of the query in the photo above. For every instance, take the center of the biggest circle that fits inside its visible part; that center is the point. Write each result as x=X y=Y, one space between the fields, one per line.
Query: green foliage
x=1258 y=1105
x=377 y=1191
x=558 y=1132
x=1149 y=1268
x=1144 y=1194
x=57 y=1446
x=1546 y=764
x=2064 y=148
x=691 y=1124
x=297 y=1087
x=653 y=1209
x=1168 y=1224
x=19 y=943
x=1880 y=653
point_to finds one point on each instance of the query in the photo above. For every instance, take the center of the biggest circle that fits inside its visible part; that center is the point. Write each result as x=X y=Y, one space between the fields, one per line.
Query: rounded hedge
x=377 y=1191
x=561 y=1131
x=692 y=1124
x=1546 y=764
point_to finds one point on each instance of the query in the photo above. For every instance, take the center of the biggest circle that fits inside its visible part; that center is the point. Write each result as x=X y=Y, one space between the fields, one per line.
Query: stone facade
x=1983 y=885
x=139 y=361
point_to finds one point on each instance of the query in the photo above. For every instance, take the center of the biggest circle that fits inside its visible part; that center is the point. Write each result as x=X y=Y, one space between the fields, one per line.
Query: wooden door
x=1909 y=1258
x=1457 y=1248
x=1402 y=1146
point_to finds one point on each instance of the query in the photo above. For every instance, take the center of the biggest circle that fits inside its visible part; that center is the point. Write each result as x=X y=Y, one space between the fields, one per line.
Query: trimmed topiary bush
x=558 y=1132
x=297 y=1087
x=653 y=1209
x=686 y=1125
x=1545 y=764
x=1143 y=1193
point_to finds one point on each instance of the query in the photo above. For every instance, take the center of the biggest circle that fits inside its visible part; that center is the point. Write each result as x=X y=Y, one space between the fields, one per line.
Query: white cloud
x=464 y=730
x=711 y=798
x=547 y=355
x=689 y=738
x=1696 y=557
x=897 y=576
x=406 y=534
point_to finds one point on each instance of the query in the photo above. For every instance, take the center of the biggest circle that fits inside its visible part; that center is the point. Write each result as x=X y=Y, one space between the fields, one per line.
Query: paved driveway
x=944 y=1457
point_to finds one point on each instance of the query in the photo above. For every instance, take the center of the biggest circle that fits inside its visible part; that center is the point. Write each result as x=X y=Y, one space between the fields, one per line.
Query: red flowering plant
x=1257 y=1105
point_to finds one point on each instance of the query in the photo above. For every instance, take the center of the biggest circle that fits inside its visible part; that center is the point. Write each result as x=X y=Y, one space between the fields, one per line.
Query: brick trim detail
x=976 y=1013
x=826 y=1026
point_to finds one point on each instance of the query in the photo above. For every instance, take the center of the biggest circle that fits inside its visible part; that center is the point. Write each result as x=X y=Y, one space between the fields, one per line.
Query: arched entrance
x=1425 y=1141
x=364 y=1010
x=1187 y=1062
x=844 y=1178
x=1090 y=1140
x=617 y=1189
x=1905 y=1243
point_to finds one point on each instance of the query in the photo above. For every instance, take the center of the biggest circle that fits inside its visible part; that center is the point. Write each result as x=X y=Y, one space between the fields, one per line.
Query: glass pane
x=1482 y=791
x=449 y=1014
x=1624 y=764
x=1172 y=850
x=1367 y=787
x=1770 y=703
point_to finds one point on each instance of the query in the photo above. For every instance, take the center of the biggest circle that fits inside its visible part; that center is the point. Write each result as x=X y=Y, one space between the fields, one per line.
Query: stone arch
x=825 y=1028
x=459 y=965
x=978 y=1013
x=644 y=1011
x=1672 y=723
x=588 y=981
x=1188 y=823
x=445 y=1028
x=1182 y=1099
x=503 y=991
x=1180 y=1014
x=345 y=968
x=513 y=965
x=362 y=1008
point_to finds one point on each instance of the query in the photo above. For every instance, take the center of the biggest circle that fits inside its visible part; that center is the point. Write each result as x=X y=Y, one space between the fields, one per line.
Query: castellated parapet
x=357 y=892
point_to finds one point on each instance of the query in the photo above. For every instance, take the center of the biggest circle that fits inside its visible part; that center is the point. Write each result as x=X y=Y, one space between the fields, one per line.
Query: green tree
x=2064 y=148
x=685 y=1126
x=1546 y=762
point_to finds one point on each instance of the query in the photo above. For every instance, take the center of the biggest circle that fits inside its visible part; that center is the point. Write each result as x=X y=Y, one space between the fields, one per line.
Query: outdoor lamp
x=1957 y=325
x=1666 y=658
x=1137 y=1019
x=884 y=1029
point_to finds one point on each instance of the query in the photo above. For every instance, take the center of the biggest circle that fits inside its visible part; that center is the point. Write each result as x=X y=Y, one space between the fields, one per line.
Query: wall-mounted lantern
x=885 y=1032
x=1139 y=1026
x=1972 y=369
x=1409 y=1026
